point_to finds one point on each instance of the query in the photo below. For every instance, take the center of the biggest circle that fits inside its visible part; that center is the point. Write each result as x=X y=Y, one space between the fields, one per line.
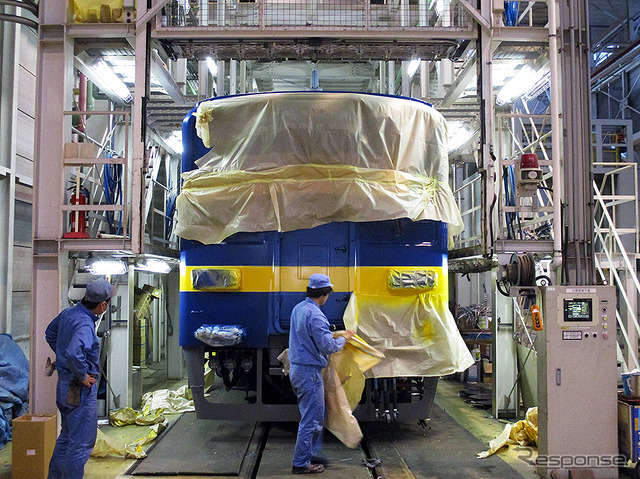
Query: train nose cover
x=287 y=161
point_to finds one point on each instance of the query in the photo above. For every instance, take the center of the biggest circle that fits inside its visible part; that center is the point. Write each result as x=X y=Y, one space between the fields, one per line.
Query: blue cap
x=318 y=280
x=100 y=290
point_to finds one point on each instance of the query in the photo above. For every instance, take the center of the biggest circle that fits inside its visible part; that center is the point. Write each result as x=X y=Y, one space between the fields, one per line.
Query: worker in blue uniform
x=72 y=335
x=310 y=344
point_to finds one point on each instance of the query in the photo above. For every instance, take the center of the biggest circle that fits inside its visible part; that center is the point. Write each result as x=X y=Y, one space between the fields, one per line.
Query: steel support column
x=120 y=357
x=54 y=90
x=575 y=71
x=9 y=38
x=486 y=166
x=391 y=73
x=175 y=361
x=140 y=98
x=505 y=374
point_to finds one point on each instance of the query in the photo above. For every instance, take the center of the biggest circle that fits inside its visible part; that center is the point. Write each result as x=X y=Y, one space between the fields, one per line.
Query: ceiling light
x=413 y=66
x=459 y=134
x=520 y=84
x=106 y=267
x=175 y=142
x=154 y=266
x=113 y=81
x=213 y=66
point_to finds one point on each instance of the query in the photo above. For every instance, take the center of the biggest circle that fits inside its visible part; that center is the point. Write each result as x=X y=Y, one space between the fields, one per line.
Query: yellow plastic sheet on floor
x=524 y=433
x=170 y=401
x=106 y=446
x=128 y=416
x=343 y=385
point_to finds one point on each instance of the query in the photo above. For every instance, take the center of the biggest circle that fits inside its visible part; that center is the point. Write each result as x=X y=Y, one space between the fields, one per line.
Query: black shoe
x=320 y=460
x=310 y=469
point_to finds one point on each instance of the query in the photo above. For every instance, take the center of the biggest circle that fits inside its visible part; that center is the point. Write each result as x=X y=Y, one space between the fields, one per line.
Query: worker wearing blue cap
x=310 y=344
x=72 y=335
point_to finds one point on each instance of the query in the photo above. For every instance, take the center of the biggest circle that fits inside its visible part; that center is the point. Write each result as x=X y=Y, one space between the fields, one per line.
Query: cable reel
x=521 y=271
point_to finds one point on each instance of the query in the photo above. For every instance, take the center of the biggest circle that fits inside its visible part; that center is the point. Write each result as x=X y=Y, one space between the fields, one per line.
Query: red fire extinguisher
x=78 y=219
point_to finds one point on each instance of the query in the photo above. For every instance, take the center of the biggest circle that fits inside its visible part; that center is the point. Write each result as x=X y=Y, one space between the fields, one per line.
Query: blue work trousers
x=78 y=434
x=307 y=384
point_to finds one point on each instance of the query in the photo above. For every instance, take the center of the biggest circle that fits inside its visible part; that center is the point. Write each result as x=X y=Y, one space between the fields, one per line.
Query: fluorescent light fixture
x=154 y=266
x=459 y=134
x=212 y=66
x=175 y=142
x=413 y=66
x=106 y=267
x=109 y=78
x=125 y=68
x=520 y=84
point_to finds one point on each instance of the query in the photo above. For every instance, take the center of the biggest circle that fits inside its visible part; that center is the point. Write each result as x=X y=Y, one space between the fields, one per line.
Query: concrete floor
x=477 y=421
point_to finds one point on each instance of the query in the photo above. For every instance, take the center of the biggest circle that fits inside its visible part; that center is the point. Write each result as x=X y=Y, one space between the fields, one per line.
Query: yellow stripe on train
x=373 y=280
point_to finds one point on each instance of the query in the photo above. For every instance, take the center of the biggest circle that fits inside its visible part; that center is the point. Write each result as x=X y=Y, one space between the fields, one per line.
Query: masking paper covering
x=417 y=333
x=343 y=385
x=287 y=161
x=128 y=416
x=170 y=401
x=524 y=433
x=106 y=446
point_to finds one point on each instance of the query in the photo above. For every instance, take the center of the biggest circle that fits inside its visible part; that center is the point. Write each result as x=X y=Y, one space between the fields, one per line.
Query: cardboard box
x=34 y=438
x=79 y=150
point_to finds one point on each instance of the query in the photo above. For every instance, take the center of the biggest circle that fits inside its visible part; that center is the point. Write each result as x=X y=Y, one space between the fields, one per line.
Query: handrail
x=607 y=250
x=619 y=321
x=266 y=15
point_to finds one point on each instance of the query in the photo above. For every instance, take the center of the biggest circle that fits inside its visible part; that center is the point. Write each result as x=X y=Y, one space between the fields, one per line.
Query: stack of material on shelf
x=103 y=11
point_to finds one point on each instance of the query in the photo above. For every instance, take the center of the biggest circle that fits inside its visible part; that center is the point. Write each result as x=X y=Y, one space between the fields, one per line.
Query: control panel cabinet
x=577 y=381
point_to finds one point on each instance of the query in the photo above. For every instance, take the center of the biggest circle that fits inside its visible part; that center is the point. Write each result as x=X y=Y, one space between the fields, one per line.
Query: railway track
x=270 y=449
x=440 y=449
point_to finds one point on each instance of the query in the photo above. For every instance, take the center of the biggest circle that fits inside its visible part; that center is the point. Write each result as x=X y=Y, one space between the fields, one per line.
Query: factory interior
x=464 y=171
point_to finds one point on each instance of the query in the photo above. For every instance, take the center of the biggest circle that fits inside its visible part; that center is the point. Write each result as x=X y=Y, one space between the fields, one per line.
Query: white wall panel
x=21 y=269
x=24 y=171
x=21 y=314
x=29 y=51
x=22 y=225
x=26 y=92
x=25 y=135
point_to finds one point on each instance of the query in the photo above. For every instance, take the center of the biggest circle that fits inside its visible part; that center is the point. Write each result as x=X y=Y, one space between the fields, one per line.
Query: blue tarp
x=14 y=385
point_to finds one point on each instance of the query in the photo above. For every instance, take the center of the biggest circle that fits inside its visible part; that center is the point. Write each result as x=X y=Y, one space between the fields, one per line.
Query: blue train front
x=290 y=184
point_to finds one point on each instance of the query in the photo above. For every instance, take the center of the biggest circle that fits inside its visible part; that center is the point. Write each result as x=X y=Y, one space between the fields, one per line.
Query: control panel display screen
x=578 y=310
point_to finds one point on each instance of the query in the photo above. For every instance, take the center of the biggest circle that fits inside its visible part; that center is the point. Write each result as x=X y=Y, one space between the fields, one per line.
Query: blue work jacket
x=310 y=341
x=72 y=335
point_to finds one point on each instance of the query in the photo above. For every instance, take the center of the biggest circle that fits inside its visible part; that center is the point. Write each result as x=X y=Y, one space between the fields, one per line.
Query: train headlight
x=412 y=279
x=204 y=279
